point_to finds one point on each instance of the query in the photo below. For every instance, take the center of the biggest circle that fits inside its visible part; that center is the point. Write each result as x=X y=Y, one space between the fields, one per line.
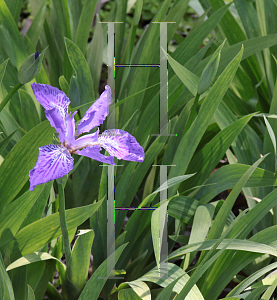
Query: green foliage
x=222 y=123
x=209 y=72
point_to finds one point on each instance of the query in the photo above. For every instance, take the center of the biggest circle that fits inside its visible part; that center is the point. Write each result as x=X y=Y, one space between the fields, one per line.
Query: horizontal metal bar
x=138 y=65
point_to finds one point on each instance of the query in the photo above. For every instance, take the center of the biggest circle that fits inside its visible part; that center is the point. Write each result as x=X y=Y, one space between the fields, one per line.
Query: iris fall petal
x=54 y=161
x=121 y=144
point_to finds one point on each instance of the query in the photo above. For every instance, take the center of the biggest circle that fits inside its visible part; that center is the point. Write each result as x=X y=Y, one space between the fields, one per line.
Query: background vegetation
x=222 y=108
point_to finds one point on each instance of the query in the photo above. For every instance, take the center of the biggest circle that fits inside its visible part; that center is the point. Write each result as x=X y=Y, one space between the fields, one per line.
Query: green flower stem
x=10 y=94
x=66 y=242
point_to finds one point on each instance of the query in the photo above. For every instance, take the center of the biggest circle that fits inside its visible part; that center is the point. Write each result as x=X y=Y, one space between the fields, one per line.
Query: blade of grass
x=198 y=127
x=221 y=218
x=84 y=24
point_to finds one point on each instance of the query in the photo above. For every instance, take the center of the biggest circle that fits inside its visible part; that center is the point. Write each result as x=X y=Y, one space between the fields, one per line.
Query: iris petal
x=85 y=140
x=94 y=153
x=121 y=144
x=51 y=97
x=70 y=129
x=57 y=121
x=54 y=161
x=97 y=113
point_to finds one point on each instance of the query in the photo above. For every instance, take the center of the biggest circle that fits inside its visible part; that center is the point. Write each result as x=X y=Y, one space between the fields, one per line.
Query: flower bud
x=30 y=67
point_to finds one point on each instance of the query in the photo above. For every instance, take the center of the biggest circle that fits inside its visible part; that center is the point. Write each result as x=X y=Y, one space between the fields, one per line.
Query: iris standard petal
x=86 y=140
x=70 y=130
x=121 y=144
x=94 y=153
x=57 y=121
x=51 y=97
x=54 y=161
x=97 y=113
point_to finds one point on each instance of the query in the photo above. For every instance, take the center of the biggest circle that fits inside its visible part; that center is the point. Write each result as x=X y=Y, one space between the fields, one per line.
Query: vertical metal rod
x=163 y=80
x=111 y=79
x=111 y=126
x=110 y=224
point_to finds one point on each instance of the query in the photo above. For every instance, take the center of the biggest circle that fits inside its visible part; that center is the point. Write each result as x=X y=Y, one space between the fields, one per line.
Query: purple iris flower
x=55 y=161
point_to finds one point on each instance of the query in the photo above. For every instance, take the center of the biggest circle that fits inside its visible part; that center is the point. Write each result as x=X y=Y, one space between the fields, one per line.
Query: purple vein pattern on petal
x=97 y=113
x=51 y=97
x=54 y=161
x=121 y=144
x=57 y=121
x=94 y=153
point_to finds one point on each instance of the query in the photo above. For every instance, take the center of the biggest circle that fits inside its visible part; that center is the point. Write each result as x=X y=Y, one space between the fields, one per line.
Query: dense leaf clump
x=181 y=202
